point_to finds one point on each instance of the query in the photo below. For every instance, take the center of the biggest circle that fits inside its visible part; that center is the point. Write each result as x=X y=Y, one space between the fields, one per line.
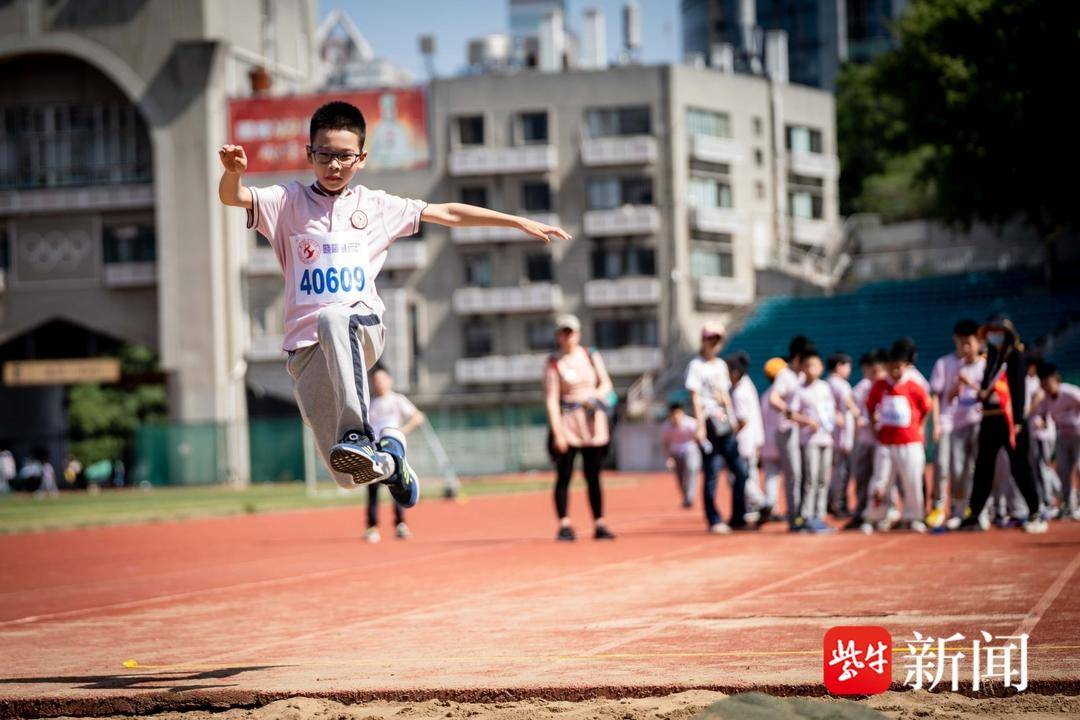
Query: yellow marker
x=130 y=664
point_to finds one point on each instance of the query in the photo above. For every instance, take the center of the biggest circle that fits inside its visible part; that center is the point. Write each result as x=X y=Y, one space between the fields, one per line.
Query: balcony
x=476 y=235
x=622 y=291
x=814 y=164
x=130 y=274
x=629 y=150
x=493 y=161
x=262 y=261
x=817 y=233
x=266 y=347
x=715 y=220
x=406 y=255
x=632 y=360
x=724 y=291
x=500 y=369
x=627 y=220
x=535 y=298
x=712 y=149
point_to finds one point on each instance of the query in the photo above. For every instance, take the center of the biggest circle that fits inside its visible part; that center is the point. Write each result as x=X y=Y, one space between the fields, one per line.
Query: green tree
x=103 y=419
x=983 y=86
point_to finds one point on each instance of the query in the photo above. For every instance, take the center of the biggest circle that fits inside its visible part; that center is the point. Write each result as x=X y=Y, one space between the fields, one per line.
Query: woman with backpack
x=579 y=396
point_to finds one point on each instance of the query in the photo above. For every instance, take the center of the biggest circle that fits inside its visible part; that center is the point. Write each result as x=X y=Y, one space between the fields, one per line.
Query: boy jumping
x=331 y=239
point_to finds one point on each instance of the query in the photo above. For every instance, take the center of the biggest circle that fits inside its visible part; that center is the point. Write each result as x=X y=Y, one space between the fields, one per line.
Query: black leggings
x=593 y=459
x=373 y=506
x=993 y=436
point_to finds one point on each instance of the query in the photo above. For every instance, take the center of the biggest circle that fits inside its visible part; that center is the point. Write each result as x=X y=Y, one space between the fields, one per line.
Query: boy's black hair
x=339 y=115
x=838 y=358
x=1033 y=358
x=738 y=361
x=810 y=351
x=965 y=328
x=867 y=358
x=672 y=407
x=379 y=367
x=902 y=350
x=795 y=347
x=1047 y=370
x=881 y=355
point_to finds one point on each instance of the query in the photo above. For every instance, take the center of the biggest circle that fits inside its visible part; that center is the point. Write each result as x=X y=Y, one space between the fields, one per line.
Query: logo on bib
x=309 y=251
x=359 y=220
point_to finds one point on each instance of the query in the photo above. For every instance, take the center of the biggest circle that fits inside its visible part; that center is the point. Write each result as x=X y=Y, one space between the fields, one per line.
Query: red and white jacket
x=899 y=408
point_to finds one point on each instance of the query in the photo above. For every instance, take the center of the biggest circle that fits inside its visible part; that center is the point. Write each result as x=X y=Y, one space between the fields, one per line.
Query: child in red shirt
x=898 y=404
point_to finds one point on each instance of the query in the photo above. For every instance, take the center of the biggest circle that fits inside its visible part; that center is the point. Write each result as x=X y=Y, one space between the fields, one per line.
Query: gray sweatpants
x=687 y=469
x=774 y=473
x=862 y=469
x=1068 y=466
x=838 y=486
x=787 y=442
x=899 y=466
x=963 y=446
x=330 y=378
x=1047 y=482
x=943 y=472
x=817 y=471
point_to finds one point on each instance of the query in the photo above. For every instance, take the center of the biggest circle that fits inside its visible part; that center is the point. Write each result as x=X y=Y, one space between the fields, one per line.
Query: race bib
x=895 y=411
x=330 y=268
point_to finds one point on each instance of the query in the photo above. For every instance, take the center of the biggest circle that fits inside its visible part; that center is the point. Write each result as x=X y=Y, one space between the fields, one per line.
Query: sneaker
x=798 y=524
x=855 y=523
x=892 y=516
x=752 y=518
x=917 y=526
x=372 y=535
x=935 y=518
x=566 y=534
x=1035 y=525
x=1075 y=514
x=356 y=455
x=720 y=528
x=687 y=504
x=403 y=531
x=953 y=523
x=602 y=533
x=866 y=529
x=970 y=524
x=817 y=526
x=766 y=515
x=403 y=483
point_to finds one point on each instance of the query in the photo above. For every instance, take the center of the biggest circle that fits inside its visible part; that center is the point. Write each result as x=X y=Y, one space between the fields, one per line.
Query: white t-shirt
x=1064 y=409
x=843 y=437
x=677 y=437
x=864 y=435
x=747 y=406
x=817 y=403
x=786 y=382
x=966 y=408
x=770 y=419
x=942 y=381
x=391 y=410
x=707 y=378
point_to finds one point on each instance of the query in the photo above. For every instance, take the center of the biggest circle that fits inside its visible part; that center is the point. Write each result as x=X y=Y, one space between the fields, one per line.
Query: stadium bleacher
x=925 y=310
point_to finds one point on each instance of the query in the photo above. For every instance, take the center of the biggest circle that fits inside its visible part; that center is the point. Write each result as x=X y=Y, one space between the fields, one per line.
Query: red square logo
x=857 y=660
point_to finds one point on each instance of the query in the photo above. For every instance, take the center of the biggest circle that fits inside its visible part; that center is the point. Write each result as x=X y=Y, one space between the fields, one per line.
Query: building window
x=610 y=262
x=538 y=267
x=474 y=195
x=757 y=126
x=540 y=334
x=711 y=255
x=611 y=193
x=801 y=139
x=613 y=122
x=479 y=338
x=128 y=240
x=708 y=193
x=470 y=130
x=759 y=157
x=759 y=190
x=533 y=128
x=58 y=144
x=706 y=122
x=535 y=197
x=478 y=270
x=806 y=205
x=623 y=332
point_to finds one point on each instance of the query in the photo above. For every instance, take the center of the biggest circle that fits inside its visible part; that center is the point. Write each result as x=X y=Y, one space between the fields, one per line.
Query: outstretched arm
x=230 y=190
x=462 y=215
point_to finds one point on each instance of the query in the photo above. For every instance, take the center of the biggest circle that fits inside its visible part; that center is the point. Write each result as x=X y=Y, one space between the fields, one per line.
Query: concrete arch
x=95 y=55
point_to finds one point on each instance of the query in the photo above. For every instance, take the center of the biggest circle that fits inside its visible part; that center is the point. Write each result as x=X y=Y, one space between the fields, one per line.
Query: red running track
x=482 y=603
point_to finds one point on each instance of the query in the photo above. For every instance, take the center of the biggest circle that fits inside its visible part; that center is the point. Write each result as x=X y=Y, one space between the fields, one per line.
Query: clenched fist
x=233 y=158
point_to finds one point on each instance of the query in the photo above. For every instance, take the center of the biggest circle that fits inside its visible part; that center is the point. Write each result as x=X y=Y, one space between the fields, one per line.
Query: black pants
x=593 y=459
x=373 y=506
x=993 y=437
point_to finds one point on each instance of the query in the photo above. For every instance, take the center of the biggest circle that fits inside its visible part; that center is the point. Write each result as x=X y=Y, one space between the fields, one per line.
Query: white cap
x=568 y=322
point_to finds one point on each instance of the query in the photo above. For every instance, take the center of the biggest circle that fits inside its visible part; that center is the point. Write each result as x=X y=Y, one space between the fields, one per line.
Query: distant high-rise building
x=821 y=34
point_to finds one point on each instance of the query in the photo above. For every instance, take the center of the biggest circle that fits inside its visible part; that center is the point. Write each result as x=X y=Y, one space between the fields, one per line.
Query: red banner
x=274 y=130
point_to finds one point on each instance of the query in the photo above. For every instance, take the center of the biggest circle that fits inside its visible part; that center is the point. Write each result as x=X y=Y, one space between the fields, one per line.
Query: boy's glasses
x=325 y=157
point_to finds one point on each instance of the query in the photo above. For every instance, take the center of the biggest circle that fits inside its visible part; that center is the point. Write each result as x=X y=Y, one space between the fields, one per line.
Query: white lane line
x=1048 y=597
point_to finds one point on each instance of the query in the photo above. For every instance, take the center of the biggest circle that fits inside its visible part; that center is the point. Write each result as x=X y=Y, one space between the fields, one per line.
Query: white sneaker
x=892 y=516
x=403 y=531
x=866 y=529
x=1036 y=526
x=372 y=535
x=953 y=523
x=1076 y=514
x=720 y=528
x=918 y=526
